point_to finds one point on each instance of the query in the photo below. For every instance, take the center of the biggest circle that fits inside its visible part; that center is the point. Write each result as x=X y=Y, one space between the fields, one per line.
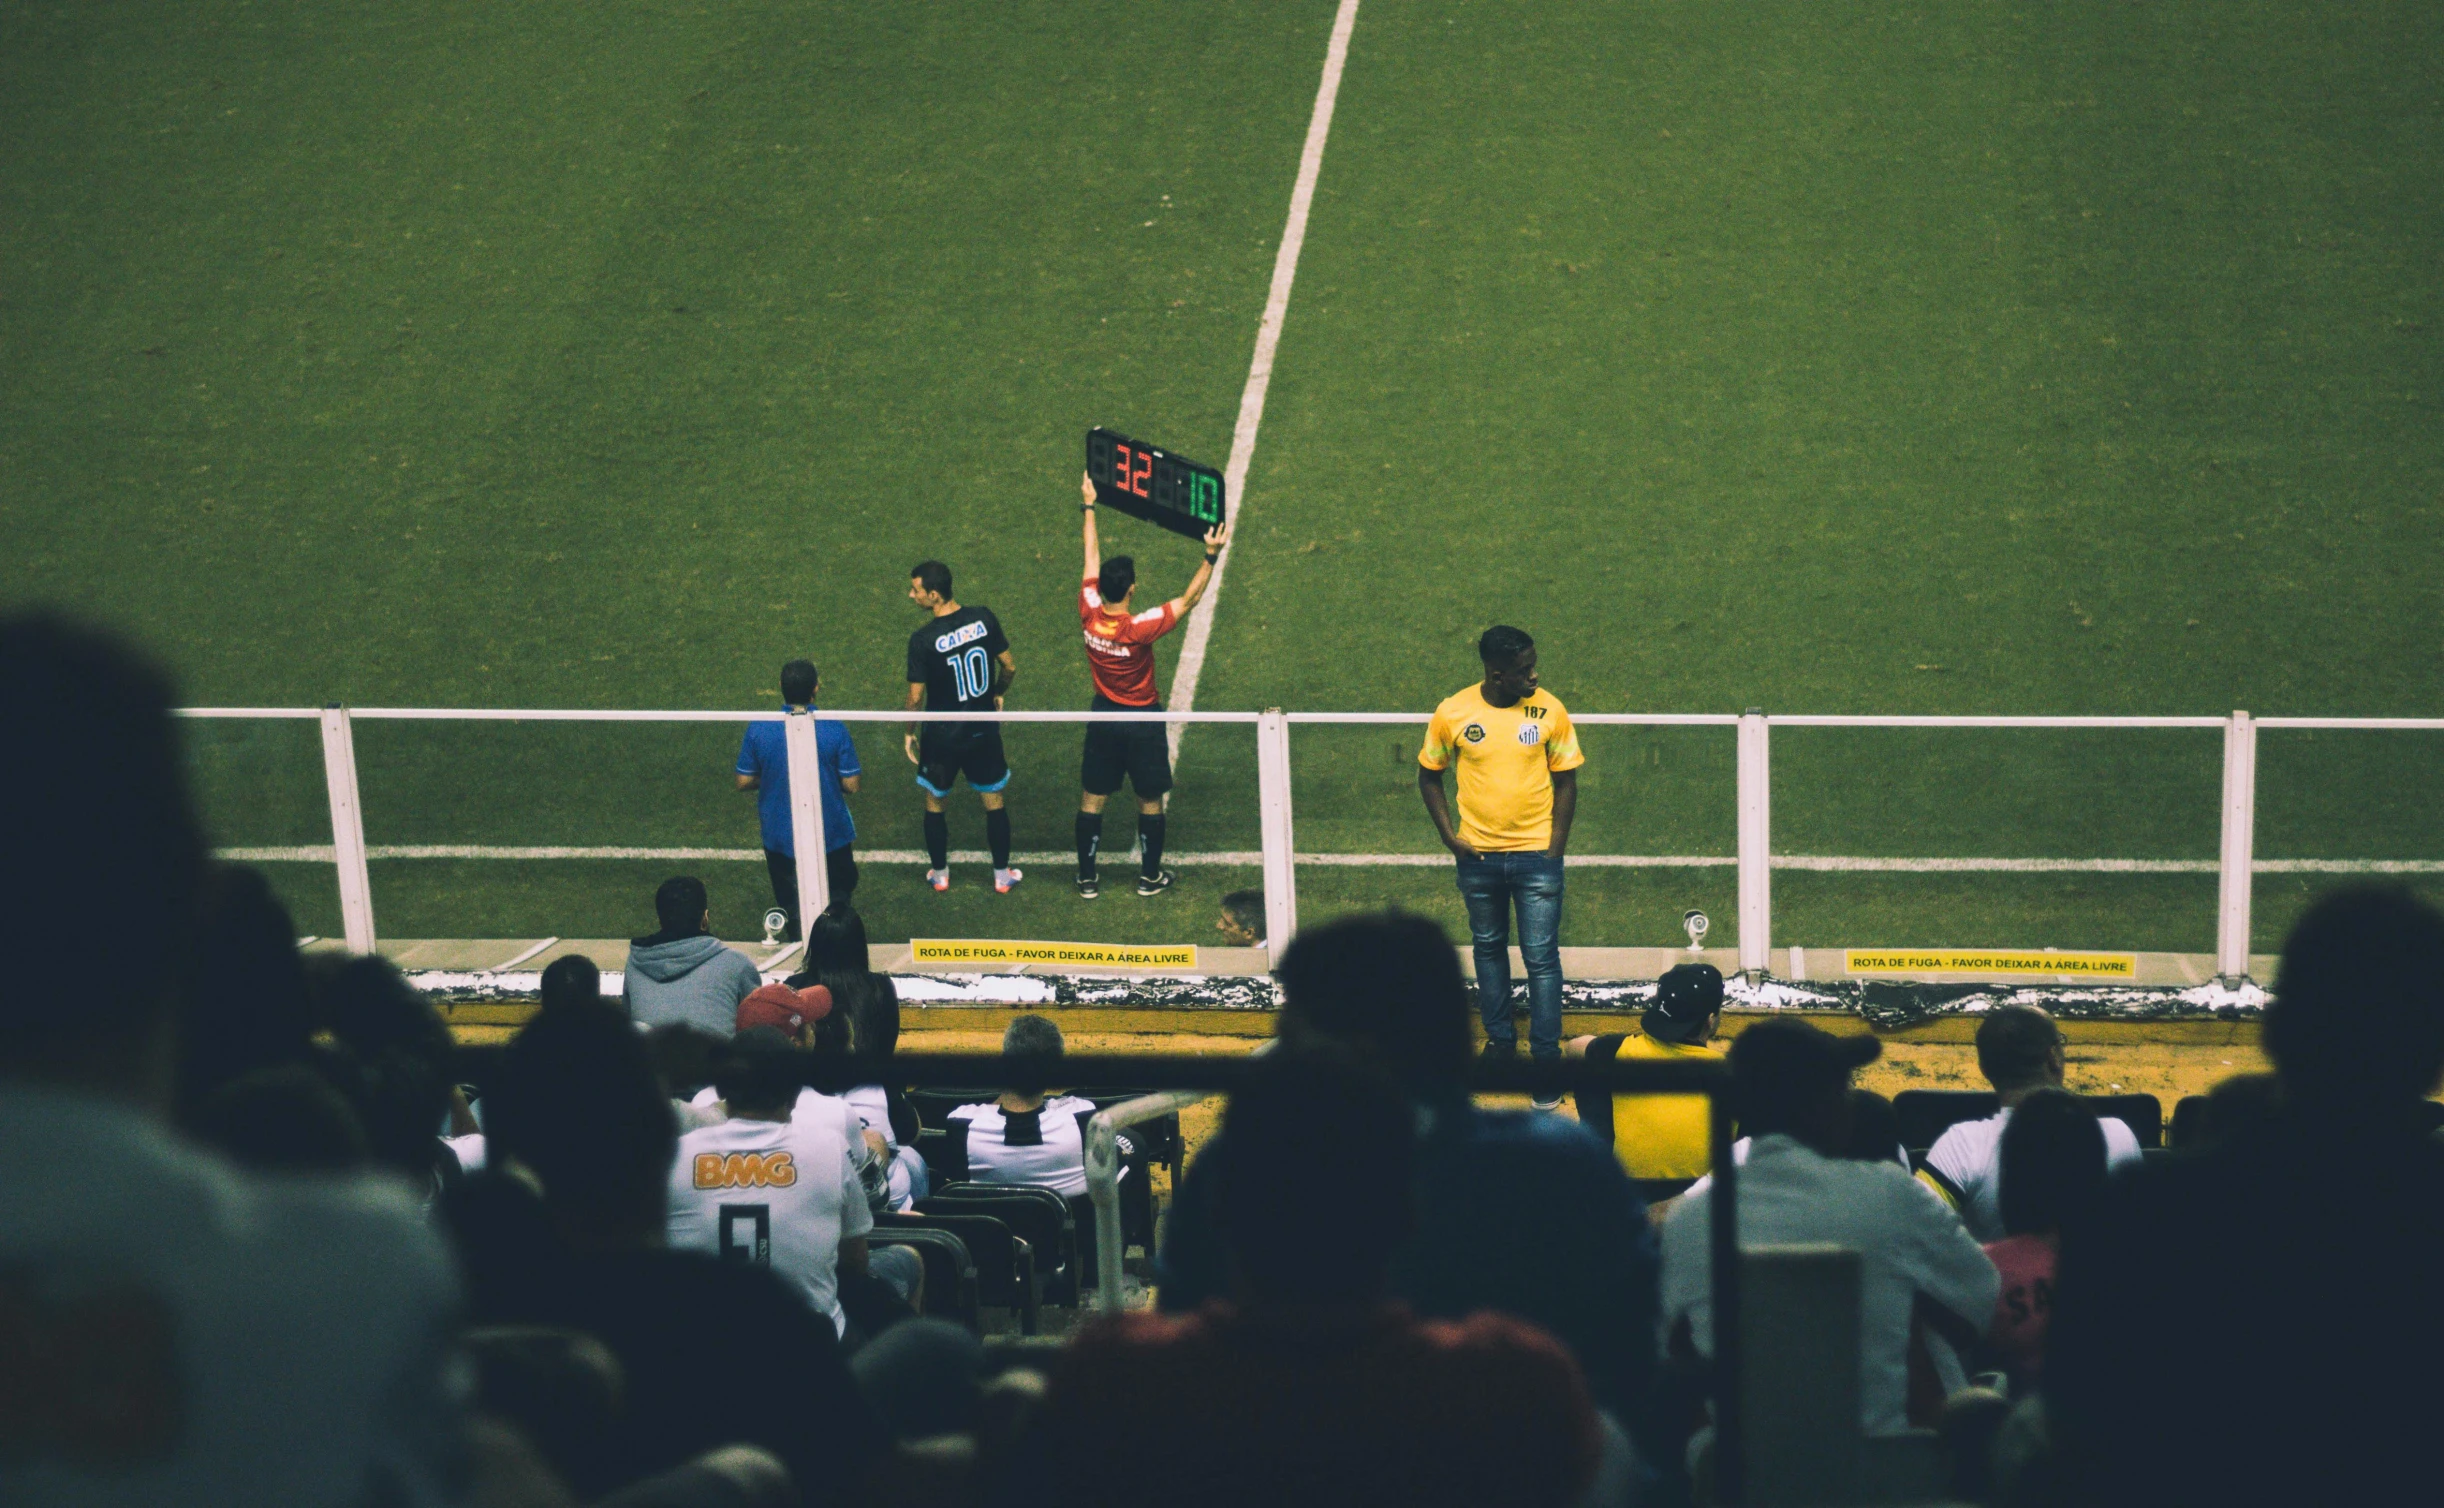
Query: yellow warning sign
x=1990 y=961
x=971 y=954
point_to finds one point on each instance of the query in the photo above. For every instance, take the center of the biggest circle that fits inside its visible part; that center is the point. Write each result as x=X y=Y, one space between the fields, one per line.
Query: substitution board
x=1148 y=482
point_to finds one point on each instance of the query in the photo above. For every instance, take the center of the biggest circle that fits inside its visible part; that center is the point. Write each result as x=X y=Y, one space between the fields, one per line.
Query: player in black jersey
x=958 y=662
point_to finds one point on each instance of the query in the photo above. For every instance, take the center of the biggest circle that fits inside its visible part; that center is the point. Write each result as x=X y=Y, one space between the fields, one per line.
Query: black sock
x=1090 y=839
x=937 y=839
x=1150 y=837
x=997 y=836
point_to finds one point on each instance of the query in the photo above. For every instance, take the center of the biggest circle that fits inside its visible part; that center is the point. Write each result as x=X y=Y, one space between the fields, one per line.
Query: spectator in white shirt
x=1790 y=1083
x=1028 y=1135
x=769 y=1188
x=2019 y=1050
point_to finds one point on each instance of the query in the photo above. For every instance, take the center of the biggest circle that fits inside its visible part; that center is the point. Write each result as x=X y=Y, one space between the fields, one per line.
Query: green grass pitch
x=1824 y=357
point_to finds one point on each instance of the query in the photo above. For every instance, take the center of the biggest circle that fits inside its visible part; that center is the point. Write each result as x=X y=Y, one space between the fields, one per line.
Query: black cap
x=1781 y=1064
x=1684 y=997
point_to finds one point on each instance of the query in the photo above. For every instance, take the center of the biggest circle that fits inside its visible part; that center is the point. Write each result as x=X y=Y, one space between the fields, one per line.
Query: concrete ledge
x=1797 y=965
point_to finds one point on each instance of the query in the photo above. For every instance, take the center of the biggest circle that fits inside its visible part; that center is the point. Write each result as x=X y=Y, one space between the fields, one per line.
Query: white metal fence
x=2235 y=864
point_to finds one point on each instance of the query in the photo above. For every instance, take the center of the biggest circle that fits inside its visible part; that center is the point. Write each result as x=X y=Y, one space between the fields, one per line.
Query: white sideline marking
x=1250 y=858
x=1260 y=369
x=519 y=958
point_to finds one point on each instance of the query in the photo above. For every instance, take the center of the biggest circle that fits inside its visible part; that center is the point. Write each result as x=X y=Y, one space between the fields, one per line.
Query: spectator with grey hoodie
x=682 y=975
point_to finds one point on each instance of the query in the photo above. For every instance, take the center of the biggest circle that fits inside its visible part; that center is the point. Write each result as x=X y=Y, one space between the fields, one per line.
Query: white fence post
x=1273 y=796
x=1756 y=846
x=806 y=816
x=2236 y=863
x=347 y=829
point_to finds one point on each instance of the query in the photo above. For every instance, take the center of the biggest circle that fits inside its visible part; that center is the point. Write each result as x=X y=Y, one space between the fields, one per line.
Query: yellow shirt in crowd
x=1661 y=1135
x=1507 y=756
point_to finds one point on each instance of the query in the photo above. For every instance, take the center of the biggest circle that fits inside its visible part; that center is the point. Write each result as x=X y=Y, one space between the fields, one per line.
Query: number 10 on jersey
x=971 y=674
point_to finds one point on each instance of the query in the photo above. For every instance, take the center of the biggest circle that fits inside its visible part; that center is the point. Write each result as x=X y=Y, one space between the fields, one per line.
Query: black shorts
x=1139 y=751
x=946 y=751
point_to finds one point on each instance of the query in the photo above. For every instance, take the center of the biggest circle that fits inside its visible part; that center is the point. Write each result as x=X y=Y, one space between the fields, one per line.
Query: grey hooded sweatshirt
x=687 y=981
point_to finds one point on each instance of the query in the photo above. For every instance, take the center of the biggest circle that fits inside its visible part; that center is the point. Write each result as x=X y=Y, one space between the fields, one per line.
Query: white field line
x=1260 y=368
x=1251 y=858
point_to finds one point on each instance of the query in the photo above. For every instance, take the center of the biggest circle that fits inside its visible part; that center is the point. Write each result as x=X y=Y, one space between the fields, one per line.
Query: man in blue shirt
x=1516 y=1211
x=763 y=767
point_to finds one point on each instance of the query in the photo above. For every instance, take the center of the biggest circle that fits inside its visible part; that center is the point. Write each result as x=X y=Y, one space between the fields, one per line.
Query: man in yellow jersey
x=1517 y=757
x=1659 y=1137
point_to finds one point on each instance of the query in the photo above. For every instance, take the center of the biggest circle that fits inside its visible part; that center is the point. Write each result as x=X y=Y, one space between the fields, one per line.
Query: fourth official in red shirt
x=1120 y=652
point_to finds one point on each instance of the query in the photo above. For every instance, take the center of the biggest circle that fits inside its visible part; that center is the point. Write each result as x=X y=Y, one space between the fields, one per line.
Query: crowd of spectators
x=258 y=1245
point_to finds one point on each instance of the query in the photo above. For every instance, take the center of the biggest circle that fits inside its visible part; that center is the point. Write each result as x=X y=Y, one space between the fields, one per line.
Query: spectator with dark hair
x=245 y=1006
x=1661 y=1138
x=836 y=959
x=1490 y=1185
x=763 y=767
x=765 y=1188
x=1028 y=1134
x=1518 y=760
x=1791 y=1089
x=682 y=973
x=177 y=1331
x=284 y=1119
x=713 y=1352
x=2288 y=1273
x=1309 y=1384
x=2053 y=1169
x=2019 y=1050
x=391 y=1057
x=572 y=979
x=1242 y=920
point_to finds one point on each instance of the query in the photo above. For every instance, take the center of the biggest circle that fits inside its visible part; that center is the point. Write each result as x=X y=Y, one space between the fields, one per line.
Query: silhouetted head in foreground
x=2356 y=1026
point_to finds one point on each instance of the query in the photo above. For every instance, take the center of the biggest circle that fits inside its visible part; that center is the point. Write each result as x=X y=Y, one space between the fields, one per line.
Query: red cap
x=779 y=1005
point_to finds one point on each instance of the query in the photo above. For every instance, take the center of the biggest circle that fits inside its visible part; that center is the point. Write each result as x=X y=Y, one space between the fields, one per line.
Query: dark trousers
x=839 y=866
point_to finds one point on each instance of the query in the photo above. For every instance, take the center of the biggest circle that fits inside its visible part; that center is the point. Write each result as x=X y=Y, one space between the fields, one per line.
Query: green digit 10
x=1201 y=490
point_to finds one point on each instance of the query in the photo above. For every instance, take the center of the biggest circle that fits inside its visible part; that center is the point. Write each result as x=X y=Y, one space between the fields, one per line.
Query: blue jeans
x=1491 y=884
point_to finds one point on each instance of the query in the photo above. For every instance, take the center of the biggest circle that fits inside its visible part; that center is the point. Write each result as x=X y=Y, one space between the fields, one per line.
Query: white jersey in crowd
x=1965 y=1166
x=1908 y=1244
x=872 y=1106
x=1046 y=1146
x=219 y=1337
x=779 y=1194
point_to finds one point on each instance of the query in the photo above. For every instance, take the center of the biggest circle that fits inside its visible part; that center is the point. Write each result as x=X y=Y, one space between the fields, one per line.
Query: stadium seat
x=2142 y=1113
x=1925 y=1114
x=950 y=1270
x=1039 y=1215
x=1006 y=1277
x=1160 y=1138
x=945 y=1155
x=2188 y=1114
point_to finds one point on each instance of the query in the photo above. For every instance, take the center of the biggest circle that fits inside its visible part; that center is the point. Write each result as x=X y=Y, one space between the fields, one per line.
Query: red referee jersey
x=1120 y=647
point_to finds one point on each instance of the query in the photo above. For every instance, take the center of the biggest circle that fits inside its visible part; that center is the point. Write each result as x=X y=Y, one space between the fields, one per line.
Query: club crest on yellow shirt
x=1531 y=734
x=1474 y=733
